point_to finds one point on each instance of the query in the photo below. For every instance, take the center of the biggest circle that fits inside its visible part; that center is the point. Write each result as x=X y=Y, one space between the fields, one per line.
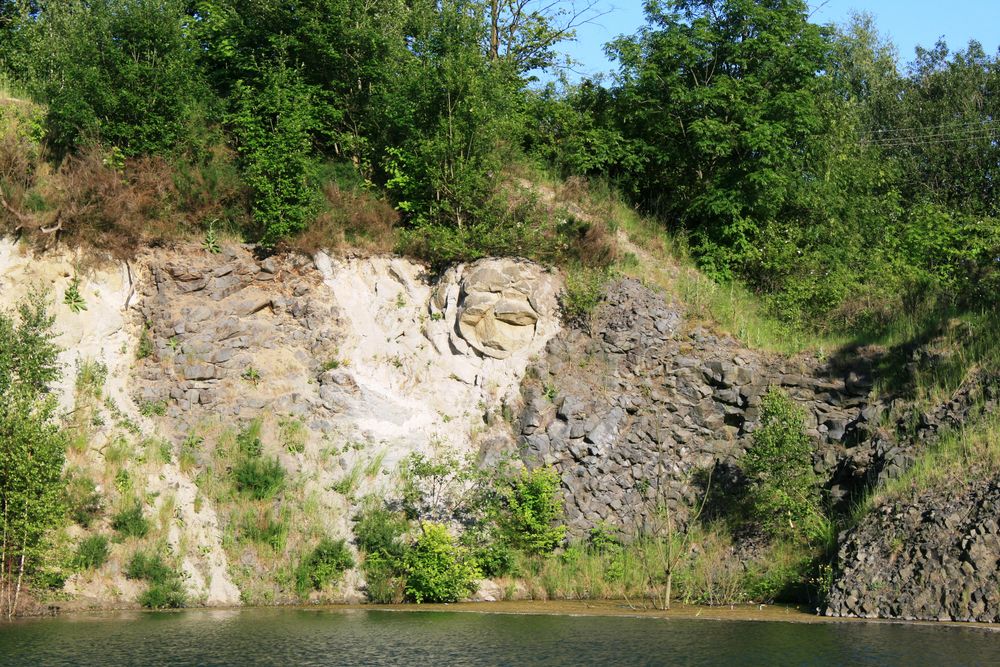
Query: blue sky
x=908 y=23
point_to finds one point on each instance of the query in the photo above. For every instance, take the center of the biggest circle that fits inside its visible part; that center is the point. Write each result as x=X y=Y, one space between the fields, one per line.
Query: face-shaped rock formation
x=497 y=306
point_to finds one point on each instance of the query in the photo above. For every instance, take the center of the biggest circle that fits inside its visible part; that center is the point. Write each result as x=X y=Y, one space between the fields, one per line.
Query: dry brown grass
x=87 y=202
x=577 y=224
x=351 y=220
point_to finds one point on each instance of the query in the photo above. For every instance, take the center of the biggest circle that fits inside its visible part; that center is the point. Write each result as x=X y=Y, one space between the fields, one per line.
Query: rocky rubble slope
x=630 y=410
x=931 y=556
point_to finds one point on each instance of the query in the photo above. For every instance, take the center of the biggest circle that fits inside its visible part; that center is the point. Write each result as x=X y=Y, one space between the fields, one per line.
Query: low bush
x=166 y=595
x=377 y=529
x=82 y=499
x=323 y=565
x=147 y=567
x=782 y=490
x=583 y=291
x=385 y=582
x=248 y=440
x=437 y=569
x=528 y=510
x=130 y=521
x=91 y=553
x=352 y=218
x=165 y=587
x=261 y=527
x=260 y=479
x=494 y=559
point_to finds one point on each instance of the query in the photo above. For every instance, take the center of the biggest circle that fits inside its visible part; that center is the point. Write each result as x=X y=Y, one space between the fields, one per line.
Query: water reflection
x=364 y=637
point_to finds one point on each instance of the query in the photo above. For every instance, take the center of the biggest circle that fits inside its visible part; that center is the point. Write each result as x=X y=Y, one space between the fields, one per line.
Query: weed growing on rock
x=165 y=587
x=91 y=553
x=251 y=375
x=323 y=566
x=145 y=346
x=82 y=499
x=153 y=408
x=261 y=527
x=211 y=241
x=260 y=479
x=130 y=521
x=72 y=297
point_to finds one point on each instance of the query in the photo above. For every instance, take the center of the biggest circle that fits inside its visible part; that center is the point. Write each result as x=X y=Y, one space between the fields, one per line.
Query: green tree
x=438 y=569
x=528 y=510
x=782 y=487
x=32 y=448
x=447 y=113
x=721 y=96
x=119 y=71
x=273 y=122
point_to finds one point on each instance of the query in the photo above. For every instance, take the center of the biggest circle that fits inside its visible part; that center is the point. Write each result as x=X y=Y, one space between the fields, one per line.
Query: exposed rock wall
x=629 y=410
x=366 y=360
x=932 y=556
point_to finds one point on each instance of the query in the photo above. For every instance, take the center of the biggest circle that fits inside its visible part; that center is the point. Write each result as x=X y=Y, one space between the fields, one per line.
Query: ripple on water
x=370 y=637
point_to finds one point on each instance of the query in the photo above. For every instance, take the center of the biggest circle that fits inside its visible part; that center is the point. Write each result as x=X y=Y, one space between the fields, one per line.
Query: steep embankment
x=929 y=555
x=186 y=364
x=346 y=365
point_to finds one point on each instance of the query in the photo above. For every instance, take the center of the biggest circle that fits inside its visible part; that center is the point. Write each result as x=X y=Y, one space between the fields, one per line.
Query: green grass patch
x=130 y=521
x=91 y=553
x=260 y=479
x=947 y=461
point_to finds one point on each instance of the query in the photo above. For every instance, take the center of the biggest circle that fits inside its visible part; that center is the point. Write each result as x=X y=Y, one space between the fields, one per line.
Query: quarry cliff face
x=345 y=366
x=350 y=365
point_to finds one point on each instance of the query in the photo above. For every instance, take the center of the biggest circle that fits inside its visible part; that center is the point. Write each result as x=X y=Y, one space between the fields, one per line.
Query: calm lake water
x=361 y=637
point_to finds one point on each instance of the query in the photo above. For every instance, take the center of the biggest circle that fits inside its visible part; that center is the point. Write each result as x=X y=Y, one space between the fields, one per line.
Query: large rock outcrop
x=630 y=409
x=497 y=306
x=934 y=555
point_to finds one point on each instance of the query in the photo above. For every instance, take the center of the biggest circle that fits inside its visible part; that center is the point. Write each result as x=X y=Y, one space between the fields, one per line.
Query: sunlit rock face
x=499 y=306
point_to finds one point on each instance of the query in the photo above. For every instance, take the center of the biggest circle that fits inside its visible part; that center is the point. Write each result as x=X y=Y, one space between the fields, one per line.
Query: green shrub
x=528 y=510
x=324 y=565
x=165 y=587
x=145 y=347
x=583 y=291
x=377 y=529
x=147 y=567
x=782 y=487
x=92 y=552
x=385 y=579
x=437 y=569
x=166 y=595
x=130 y=521
x=51 y=578
x=260 y=479
x=262 y=528
x=82 y=499
x=494 y=559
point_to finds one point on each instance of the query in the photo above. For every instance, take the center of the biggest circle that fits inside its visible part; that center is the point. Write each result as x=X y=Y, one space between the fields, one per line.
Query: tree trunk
x=17 y=590
x=670 y=583
x=494 y=30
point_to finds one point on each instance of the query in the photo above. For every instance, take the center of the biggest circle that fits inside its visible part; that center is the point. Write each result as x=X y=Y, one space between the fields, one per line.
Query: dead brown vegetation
x=108 y=206
x=576 y=222
x=351 y=220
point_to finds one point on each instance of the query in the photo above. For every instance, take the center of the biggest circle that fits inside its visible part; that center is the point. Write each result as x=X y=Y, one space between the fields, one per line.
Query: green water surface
x=362 y=637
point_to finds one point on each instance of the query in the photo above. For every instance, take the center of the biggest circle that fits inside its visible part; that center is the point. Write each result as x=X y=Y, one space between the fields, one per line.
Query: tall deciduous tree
x=722 y=93
x=32 y=449
x=119 y=71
